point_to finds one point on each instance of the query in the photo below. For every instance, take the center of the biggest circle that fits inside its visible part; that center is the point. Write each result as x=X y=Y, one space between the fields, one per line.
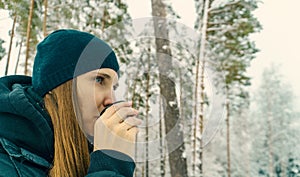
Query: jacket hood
x=23 y=119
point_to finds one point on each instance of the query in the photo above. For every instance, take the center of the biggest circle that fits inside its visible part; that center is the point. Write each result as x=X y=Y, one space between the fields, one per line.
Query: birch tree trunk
x=18 y=58
x=10 y=43
x=177 y=162
x=200 y=69
x=28 y=36
x=228 y=133
x=202 y=86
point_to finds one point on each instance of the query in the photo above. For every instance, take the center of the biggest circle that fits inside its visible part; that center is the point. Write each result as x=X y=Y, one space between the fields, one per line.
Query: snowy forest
x=190 y=85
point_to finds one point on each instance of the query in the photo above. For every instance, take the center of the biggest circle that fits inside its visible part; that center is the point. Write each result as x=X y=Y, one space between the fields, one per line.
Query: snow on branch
x=221 y=29
x=222 y=8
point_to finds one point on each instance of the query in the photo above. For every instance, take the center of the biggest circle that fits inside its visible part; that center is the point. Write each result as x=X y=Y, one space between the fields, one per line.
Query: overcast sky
x=278 y=41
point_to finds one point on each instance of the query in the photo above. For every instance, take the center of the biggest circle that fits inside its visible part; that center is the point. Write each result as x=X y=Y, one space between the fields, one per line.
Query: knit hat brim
x=66 y=54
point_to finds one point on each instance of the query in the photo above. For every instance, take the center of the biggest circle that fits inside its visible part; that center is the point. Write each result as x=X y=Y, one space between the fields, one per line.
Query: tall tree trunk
x=202 y=86
x=10 y=43
x=228 y=132
x=147 y=112
x=134 y=94
x=181 y=99
x=194 y=126
x=28 y=36
x=177 y=162
x=162 y=157
x=142 y=169
x=45 y=18
x=135 y=82
x=18 y=58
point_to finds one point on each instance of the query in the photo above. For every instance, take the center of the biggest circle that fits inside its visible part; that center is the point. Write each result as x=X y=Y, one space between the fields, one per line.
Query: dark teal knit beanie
x=66 y=54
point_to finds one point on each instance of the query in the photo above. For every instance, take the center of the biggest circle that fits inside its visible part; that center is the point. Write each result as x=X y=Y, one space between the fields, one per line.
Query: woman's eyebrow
x=107 y=76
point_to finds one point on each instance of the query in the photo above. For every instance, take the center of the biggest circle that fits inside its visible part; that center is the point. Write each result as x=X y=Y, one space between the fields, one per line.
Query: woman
x=50 y=123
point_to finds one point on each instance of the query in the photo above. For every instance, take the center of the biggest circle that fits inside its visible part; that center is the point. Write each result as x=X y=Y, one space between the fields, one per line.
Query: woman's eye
x=99 y=79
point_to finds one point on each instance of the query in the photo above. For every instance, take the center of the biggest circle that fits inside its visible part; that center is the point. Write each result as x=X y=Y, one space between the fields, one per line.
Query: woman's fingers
x=127 y=125
x=127 y=129
x=116 y=138
x=115 y=108
x=120 y=116
x=132 y=122
x=117 y=128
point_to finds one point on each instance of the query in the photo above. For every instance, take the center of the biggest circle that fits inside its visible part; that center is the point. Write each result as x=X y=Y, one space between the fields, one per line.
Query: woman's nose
x=109 y=99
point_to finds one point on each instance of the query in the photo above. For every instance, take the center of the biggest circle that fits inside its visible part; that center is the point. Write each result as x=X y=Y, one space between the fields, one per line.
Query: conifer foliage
x=164 y=72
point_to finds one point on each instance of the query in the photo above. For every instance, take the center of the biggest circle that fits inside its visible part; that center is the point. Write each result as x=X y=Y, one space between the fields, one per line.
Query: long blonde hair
x=71 y=155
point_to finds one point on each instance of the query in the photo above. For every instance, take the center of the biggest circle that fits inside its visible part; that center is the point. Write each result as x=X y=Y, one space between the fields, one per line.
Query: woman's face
x=95 y=90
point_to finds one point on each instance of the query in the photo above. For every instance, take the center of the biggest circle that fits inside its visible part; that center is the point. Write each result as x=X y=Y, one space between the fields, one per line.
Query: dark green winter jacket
x=26 y=136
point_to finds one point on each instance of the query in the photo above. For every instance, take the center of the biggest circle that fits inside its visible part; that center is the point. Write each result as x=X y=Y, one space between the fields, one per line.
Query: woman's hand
x=116 y=129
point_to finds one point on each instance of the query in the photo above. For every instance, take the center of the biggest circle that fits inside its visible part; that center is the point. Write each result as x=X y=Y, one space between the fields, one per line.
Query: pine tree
x=61 y=14
x=228 y=52
x=31 y=9
x=229 y=28
x=110 y=21
x=12 y=33
x=135 y=73
x=177 y=160
x=274 y=145
x=21 y=10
